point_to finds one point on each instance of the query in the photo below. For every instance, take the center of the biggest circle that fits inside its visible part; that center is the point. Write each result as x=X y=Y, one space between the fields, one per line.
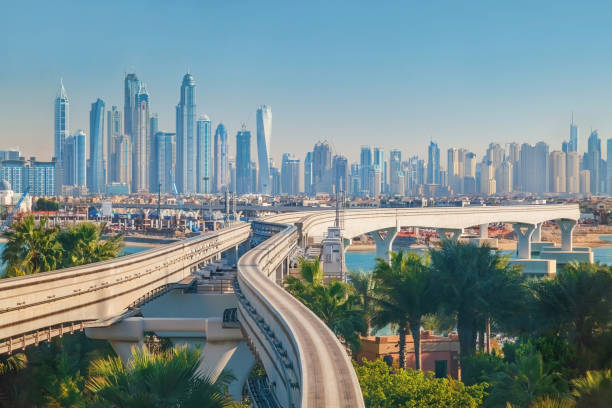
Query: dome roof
x=5 y=185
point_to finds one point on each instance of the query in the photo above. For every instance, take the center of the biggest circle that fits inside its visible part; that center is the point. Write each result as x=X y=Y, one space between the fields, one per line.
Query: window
x=441 y=368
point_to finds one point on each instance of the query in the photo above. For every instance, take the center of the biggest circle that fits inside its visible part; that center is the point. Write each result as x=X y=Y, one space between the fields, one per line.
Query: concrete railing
x=36 y=307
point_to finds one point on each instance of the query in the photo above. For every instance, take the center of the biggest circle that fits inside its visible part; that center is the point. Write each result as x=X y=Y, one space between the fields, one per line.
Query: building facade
x=264 y=135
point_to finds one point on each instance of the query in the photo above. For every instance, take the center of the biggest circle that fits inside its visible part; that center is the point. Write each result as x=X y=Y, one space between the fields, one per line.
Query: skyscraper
x=243 y=161
x=396 y=182
x=381 y=164
x=60 y=131
x=97 y=167
x=452 y=164
x=558 y=172
x=152 y=170
x=290 y=175
x=572 y=178
x=308 y=173
x=166 y=160
x=365 y=163
x=264 y=133
x=186 y=146
x=340 y=169
x=573 y=140
x=221 y=172
x=592 y=162
x=114 y=129
x=131 y=87
x=433 y=164
x=203 y=155
x=321 y=166
x=122 y=159
x=141 y=146
x=75 y=160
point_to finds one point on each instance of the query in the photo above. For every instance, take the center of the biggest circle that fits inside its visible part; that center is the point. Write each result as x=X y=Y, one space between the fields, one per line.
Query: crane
x=9 y=219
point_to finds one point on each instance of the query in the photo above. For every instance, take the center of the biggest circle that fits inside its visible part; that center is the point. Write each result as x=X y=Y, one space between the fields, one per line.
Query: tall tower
x=61 y=131
x=114 y=129
x=96 y=147
x=141 y=146
x=153 y=129
x=243 y=161
x=203 y=155
x=132 y=85
x=573 y=140
x=433 y=164
x=264 y=133
x=186 y=148
x=221 y=159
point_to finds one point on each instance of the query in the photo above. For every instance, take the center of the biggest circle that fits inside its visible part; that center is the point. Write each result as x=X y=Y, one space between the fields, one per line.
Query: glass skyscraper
x=186 y=147
x=166 y=160
x=433 y=164
x=243 y=161
x=61 y=129
x=264 y=133
x=221 y=173
x=96 y=148
x=141 y=145
x=114 y=129
x=131 y=88
x=204 y=155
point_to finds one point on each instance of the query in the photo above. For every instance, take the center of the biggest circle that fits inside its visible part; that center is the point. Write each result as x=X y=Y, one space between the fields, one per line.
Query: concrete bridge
x=304 y=361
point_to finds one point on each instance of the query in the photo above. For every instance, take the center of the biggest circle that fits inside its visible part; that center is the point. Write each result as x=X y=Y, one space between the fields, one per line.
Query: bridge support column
x=537 y=233
x=523 y=233
x=484 y=231
x=455 y=233
x=567 y=228
x=384 y=241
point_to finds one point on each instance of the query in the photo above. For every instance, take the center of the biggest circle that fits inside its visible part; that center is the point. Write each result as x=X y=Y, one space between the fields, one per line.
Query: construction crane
x=9 y=219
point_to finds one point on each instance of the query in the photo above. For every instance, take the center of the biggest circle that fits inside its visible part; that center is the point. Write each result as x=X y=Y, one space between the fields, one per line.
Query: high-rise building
x=141 y=146
x=243 y=162
x=290 y=175
x=75 y=160
x=321 y=166
x=452 y=164
x=131 y=88
x=275 y=179
x=186 y=143
x=364 y=165
x=264 y=134
x=38 y=176
x=433 y=164
x=505 y=182
x=97 y=165
x=166 y=160
x=61 y=130
x=396 y=182
x=355 y=180
x=379 y=161
x=308 y=173
x=585 y=182
x=152 y=171
x=592 y=162
x=204 y=155
x=375 y=176
x=514 y=155
x=114 y=129
x=340 y=170
x=533 y=172
x=122 y=159
x=572 y=146
x=221 y=172
x=488 y=184
x=609 y=168
x=572 y=178
x=558 y=172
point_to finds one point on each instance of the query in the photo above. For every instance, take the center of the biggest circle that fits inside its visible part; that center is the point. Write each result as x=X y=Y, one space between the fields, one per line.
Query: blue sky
x=395 y=74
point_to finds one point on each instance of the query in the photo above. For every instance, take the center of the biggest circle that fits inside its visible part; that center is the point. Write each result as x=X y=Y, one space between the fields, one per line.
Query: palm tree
x=576 y=305
x=334 y=303
x=168 y=379
x=31 y=248
x=594 y=390
x=363 y=286
x=83 y=245
x=404 y=293
x=475 y=283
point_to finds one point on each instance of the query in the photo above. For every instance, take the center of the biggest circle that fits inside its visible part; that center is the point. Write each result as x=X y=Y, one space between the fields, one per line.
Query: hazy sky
x=391 y=74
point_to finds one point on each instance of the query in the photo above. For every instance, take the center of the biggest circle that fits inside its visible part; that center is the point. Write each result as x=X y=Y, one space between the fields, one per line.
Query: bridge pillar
x=523 y=233
x=537 y=233
x=455 y=233
x=567 y=228
x=384 y=241
x=484 y=231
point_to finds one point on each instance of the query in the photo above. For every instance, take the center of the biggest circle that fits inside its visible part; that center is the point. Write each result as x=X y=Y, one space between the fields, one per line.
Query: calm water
x=366 y=260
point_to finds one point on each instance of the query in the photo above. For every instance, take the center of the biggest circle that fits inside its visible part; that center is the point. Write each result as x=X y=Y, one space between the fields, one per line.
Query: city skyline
x=483 y=95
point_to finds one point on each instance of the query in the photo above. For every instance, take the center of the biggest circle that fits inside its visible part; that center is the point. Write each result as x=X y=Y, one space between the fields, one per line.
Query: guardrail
x=36 y=303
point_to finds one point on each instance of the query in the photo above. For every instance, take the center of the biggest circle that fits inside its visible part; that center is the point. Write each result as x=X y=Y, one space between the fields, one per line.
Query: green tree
x=404 y=293
x=383 y=388
x=165 y=380
x=42 y=204
x=31 y=248
x=476 y=283
x=363 y=286
x=334 y=303
x=594 y=390
x=577 y=306
x=83 y=244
